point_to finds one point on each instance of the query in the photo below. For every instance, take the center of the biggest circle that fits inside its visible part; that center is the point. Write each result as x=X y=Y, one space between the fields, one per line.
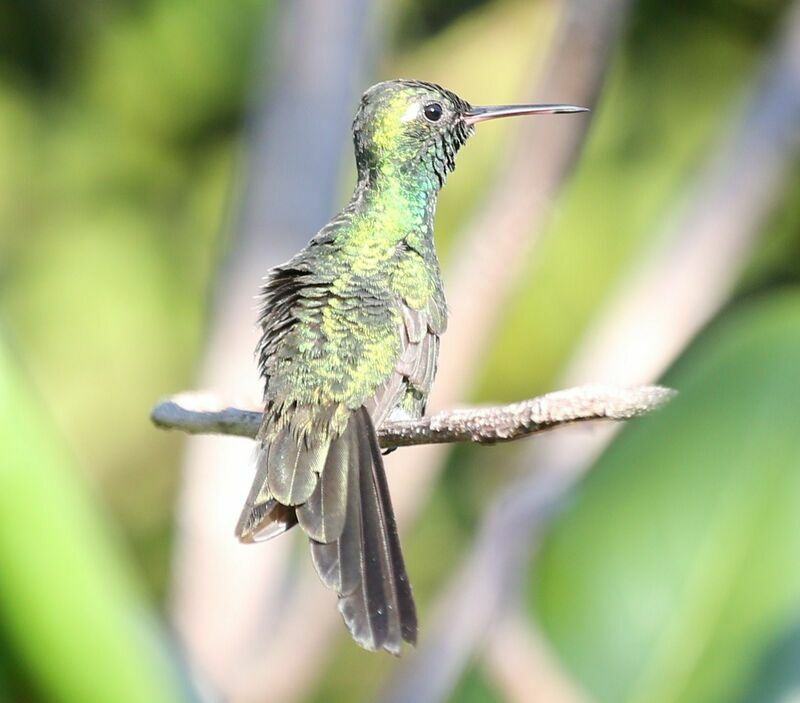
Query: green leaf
x=677 y=562
x=474 y=688
x=778 y=677
x=5 y=687
x=69 y=608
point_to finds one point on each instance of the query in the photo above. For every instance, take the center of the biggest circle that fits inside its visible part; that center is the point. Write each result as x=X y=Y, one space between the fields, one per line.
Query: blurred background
x=157 y=157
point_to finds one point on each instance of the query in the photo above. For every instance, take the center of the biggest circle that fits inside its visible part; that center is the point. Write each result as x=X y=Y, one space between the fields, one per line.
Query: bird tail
x=354 y=542
x=263 y=517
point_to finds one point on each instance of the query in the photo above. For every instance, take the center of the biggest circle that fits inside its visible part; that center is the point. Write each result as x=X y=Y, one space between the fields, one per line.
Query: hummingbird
x=350 y=332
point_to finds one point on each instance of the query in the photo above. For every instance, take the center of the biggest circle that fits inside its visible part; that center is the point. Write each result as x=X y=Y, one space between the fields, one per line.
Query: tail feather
x=378 y=601
x=339 y=563
x=268 y=520
x=263 y=517
x=404 y=600
x=379 y=610
x=322 y=516
x=293 y=467
x=347 y=514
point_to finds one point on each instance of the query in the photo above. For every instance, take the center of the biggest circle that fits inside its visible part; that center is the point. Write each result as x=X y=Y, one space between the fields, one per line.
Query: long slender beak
x=492 y=112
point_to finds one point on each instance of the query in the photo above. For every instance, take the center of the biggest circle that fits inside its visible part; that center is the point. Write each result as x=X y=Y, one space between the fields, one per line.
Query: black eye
x=432 y=112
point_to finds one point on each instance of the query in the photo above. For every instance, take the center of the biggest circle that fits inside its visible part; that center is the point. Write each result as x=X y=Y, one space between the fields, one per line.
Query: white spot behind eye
x=411 y=113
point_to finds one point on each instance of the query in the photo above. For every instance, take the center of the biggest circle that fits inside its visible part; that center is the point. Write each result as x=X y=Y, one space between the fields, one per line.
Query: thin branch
x=191 y=413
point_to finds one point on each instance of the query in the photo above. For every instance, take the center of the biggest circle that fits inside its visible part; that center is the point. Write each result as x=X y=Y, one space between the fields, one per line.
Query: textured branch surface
x=200 y=413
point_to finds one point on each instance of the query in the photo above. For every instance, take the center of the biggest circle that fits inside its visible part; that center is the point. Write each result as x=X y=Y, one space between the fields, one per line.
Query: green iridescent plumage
x=350 y=335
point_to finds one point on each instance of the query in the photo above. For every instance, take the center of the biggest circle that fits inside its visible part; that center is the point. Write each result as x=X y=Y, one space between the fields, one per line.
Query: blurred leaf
x=776 y=259
x=778 y=677
x=67 y=602
x=5 y=687
x=178 y=69
x=474 y=688
x=677 y=561
x=418 y=19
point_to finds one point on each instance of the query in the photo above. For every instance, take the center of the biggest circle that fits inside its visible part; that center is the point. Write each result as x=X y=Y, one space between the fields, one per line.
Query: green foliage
x=419 y=19
x=675 y=565
x=112 y=194
x=777 y=679
x=5 y=684
x=474 y=688
x=66 y=598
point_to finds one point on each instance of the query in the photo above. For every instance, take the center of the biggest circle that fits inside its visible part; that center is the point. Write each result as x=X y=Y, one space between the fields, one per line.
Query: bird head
x=416 y=128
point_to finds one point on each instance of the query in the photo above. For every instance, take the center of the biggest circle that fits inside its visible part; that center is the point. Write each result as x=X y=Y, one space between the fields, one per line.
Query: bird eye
x=432 y=112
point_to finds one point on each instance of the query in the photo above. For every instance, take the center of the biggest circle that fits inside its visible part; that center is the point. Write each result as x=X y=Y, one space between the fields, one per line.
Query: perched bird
x=350 y=337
